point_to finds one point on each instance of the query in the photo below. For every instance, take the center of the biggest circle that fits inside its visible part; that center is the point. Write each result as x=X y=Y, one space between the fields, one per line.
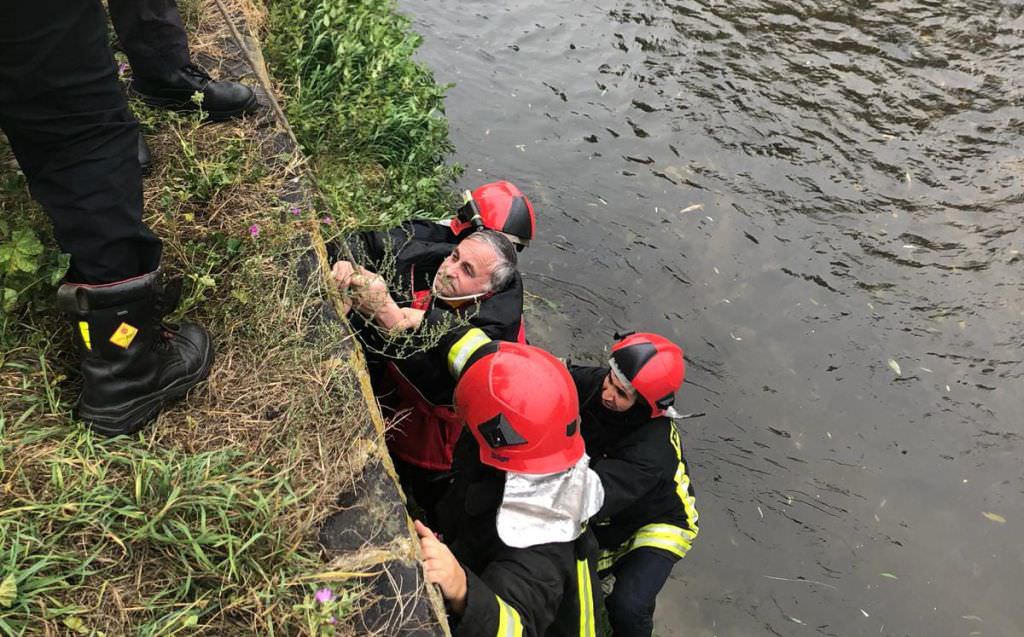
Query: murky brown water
x=799 y=192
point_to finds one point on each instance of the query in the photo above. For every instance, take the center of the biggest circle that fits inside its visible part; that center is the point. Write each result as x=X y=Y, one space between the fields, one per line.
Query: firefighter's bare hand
x=412 y=318
x=342 y=273
x=443 y=569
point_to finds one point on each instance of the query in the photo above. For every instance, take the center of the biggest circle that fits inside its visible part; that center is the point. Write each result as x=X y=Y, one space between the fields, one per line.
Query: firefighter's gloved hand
x=442 y=569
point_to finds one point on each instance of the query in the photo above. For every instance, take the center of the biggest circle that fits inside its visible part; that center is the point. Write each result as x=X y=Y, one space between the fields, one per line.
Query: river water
x=820 y=200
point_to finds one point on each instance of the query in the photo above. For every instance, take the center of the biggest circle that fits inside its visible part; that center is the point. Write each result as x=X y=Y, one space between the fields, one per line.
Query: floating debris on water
x=691 y=208
x=888 y=575
x=895 y=367
x=995 y=517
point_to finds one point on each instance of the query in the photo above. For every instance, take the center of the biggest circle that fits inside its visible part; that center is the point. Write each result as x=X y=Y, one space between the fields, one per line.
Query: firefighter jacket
x=543 y=590
x=421 y=368
x=649 y=500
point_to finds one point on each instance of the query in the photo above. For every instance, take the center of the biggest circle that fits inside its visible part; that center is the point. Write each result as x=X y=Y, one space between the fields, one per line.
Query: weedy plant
x=369 y=116
x=26 y=263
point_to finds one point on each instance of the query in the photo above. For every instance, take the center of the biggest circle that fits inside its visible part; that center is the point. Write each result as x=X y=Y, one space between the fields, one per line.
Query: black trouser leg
x=639 y=576
x=152 y=35
x=74 y=137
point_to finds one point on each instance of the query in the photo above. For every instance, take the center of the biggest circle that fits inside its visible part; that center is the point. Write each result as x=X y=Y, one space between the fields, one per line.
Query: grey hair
x=505 y=267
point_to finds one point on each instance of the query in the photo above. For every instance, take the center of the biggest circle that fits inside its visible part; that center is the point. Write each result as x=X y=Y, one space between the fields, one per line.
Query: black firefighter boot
x=132 y=362
x=221 y=100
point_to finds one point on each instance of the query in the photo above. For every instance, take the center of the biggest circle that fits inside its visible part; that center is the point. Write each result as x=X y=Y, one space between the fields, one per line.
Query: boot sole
x=113 y=421
x=187 y=106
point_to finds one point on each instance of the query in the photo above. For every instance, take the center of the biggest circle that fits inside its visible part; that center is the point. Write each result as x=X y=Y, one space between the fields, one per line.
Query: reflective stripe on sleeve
x=667 y=537
x=463 y=348
x=672 y=539
x=586 y=599
x=509 y=623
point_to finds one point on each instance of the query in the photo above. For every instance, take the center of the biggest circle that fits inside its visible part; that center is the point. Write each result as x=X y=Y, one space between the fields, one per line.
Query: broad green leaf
x=8 y=591
x=8 y=298
x=26 y=242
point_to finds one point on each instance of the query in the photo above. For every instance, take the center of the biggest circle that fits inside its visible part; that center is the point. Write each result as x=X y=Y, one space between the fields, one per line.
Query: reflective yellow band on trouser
x=586 y=598
x=509 y=623
x=463 y=348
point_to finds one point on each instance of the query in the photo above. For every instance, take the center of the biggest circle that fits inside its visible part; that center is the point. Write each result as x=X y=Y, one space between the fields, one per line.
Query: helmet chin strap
x=449 y=299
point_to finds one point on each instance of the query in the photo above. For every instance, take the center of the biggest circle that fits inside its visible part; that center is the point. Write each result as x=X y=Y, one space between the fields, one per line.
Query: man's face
x=614 y=395
x=467 y=270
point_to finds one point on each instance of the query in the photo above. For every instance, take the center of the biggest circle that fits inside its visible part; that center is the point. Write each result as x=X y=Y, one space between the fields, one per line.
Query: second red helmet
x=500 y=206
x=520 y=404
x=652 y=366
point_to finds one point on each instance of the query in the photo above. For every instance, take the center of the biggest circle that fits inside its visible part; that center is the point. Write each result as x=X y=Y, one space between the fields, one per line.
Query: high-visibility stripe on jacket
x=509 y=623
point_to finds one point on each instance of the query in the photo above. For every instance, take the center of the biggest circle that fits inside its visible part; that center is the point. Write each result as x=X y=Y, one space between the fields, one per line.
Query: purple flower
x=295 y=210
x=324 y=595
x=121 y=68
x=327 y=219
x=254 y=230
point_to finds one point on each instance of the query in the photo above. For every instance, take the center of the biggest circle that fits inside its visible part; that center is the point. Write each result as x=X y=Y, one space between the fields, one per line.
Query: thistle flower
x=254 y=230
x=325 y=595
x=295 y=210
x=327 y=220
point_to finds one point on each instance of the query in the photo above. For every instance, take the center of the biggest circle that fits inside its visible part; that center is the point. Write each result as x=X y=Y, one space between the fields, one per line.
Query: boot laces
x=167 y=333
x=197 y=72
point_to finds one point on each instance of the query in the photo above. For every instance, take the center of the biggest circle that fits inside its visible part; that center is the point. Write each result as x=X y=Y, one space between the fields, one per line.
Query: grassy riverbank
x=206 y=522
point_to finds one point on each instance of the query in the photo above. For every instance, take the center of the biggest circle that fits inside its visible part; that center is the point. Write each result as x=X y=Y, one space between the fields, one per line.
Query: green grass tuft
x=369 y=116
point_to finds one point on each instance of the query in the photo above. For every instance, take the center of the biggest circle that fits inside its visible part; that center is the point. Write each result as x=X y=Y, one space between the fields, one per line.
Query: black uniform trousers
x=70 y=128
x=639 y=576
x=151 y=34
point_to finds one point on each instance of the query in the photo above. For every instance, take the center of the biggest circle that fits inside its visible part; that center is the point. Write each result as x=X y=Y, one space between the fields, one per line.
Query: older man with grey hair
x=448 y=301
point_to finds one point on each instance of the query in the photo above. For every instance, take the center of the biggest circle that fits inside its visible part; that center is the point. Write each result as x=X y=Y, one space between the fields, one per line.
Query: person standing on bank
x=649 y=520
x=163 y=75
x=153 y=37
x=517 y=556
x=71 y=131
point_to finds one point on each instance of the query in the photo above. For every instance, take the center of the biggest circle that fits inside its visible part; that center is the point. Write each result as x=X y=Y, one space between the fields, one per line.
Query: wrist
x=460 y=593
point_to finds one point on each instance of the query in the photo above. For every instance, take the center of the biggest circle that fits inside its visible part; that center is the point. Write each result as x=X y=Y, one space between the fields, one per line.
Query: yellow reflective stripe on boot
x=509 y=623
x=586 y=599
x=463 y=348
x=83 y=329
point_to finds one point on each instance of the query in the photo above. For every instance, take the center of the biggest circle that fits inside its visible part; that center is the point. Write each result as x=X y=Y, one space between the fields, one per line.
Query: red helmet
x=521 y=405
x=499 y=206
x=652 y=366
